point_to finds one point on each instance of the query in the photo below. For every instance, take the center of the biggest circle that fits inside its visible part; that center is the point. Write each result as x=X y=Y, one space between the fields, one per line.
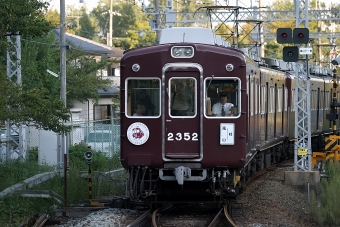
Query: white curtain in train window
x=293 y=100
x=279 y=99
x=263 y=99
x=286 y=99
x=271 y=99
x=252 y=94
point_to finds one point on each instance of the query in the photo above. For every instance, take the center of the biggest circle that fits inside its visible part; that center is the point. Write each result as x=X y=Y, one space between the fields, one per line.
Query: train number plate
x=227 y=133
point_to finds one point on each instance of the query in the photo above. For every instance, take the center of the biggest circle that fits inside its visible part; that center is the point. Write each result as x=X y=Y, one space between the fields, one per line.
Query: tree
x=21 y=104
x=35 y=107
x=37 y=101
x=128 y=23
x=23 y=17
x=82 y=80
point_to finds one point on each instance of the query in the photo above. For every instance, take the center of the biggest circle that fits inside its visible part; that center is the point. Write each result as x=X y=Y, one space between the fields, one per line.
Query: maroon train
x=190 y=154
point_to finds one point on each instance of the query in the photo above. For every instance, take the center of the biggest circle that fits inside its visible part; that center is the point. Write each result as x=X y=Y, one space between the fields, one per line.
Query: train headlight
x=229 y=67
x=135 y=67
x=188 y=52
x=182 y=52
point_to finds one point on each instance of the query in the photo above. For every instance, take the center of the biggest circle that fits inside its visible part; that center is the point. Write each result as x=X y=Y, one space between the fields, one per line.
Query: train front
x=175 y=142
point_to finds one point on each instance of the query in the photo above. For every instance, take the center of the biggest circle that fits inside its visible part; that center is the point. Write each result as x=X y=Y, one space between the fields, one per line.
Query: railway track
x=185 y=215
x=198 y=214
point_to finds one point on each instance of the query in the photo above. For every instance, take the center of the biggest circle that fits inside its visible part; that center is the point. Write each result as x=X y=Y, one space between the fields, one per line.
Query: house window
x=111 y=71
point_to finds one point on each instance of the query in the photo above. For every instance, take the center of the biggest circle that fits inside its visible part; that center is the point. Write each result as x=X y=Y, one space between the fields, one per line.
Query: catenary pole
x=63 y=87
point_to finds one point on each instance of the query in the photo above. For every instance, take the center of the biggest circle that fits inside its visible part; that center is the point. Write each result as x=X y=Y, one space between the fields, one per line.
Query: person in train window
x=181 y=101
x=222 y=108
x=139 y=108
x=146 y=100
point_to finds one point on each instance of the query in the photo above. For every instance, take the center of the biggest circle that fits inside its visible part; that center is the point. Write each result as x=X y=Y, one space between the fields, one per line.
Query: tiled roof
x=89 y=46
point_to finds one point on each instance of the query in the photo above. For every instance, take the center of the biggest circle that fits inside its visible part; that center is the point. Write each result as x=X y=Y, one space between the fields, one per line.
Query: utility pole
x=158 y=29
x=110 y=24
x=63 y=87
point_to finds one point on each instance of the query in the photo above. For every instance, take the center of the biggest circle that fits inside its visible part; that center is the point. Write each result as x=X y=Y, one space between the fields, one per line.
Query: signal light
x=284 y=35
x=301 y=35
x=291 y=54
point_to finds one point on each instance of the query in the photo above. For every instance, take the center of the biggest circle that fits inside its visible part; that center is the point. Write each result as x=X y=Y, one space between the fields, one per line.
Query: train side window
x=322 y=105
x=292 y=103
x=271 y=99
x=279 y=99
x=142 y=98
x=263 y=98
x=214 y=89
x=286 y=99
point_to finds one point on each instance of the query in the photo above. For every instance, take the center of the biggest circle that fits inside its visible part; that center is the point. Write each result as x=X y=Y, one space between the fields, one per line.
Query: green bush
x=325 y=210
x=15 y=209
x=15 y=171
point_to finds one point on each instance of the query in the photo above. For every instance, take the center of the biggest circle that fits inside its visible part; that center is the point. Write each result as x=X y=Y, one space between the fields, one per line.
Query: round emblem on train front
x=138 y=133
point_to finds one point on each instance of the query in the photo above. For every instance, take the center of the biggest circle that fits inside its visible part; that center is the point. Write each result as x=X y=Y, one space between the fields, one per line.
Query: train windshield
x=183 y=97
x=142 y=98
x=222 y=97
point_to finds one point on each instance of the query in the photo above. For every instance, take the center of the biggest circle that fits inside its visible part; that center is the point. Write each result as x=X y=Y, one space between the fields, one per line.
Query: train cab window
x=222 y=97
x=182 y=102
x=142 y=98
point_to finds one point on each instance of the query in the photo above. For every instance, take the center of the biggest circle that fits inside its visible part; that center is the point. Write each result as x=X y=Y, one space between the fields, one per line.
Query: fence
x=101 y=135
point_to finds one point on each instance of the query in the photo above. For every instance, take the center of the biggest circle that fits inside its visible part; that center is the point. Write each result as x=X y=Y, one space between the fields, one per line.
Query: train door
x=181 y=114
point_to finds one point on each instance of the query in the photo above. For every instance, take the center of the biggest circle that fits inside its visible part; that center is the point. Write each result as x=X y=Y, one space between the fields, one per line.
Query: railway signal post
x=88 y=157
x=302 y=146
x=332 y=147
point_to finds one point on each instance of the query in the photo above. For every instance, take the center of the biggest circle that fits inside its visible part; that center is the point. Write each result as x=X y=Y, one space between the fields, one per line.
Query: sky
x=90 y=4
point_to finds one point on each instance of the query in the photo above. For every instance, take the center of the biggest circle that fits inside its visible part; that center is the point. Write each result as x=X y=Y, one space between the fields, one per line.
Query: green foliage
x=33 y=155
x=82 y=79
x=325 y=211
x=15 y=209
x=25 y=17
x=15 y=171
x=99 y=161
x=128 y=23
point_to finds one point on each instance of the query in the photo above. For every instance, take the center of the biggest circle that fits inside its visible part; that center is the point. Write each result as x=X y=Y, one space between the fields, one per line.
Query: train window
x=293 y=100
x=263 y=98
x=314 y=99
x=327 y=100
x=257 y=97
x=182 y=100
x=271 y=99
x=279 y=99
x=286 y=99
x=225 y=90
x=142 y=98
x=252 y=96
x=322 y=106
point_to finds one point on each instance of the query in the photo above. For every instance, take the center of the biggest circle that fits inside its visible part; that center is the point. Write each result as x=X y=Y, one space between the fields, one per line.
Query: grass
x=15 y=209
x=325 y=209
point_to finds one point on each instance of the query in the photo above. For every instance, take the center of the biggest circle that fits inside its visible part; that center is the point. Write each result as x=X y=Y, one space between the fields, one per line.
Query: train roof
x=187 y=35
x=191 y=35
